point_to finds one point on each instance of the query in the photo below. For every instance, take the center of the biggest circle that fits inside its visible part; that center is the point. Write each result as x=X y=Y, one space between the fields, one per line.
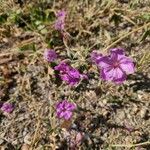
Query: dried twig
x=131 y=145
x=126 y=35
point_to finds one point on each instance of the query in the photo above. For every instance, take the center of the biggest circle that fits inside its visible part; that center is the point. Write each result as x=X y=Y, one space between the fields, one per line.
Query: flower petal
x=71 y=107
x=107 y=74
x=68 y=115
x=104 y=62
x=60 y=114
x=118 y=75
x=117 y=51
x=128 y=67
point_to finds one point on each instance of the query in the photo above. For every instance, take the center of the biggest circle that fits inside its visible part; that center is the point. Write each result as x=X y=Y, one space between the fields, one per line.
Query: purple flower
x=50 y=55
x=7 y=107
x=64 y=109
x=71 y=77
x=116 y=66
x=60 y=22
x=69 y=74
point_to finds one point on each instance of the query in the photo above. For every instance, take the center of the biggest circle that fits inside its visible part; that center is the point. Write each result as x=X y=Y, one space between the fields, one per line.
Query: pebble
x=15 y=142
x=1 y=141
x=134 y=109
x=121 y=115
x=25 y=147
x=143 y=112
x=27 y=139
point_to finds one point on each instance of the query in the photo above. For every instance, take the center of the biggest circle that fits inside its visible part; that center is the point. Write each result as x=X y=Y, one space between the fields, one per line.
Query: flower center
x=116 y=64
x=64 y=109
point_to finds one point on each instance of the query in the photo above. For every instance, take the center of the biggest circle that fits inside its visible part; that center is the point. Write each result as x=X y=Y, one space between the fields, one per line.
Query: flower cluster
x=64 y=109
x=7 y=107
x=69 y=74
x=114 y=67
x=60 y=22
x=50 y=55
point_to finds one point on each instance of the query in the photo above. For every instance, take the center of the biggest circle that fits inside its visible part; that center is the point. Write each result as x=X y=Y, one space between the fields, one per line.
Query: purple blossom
x=116 y=66
x=50 y=55
x=69 y=74
x=7 y=107
x=60 y=22
x=71 y=77
x=64 y=109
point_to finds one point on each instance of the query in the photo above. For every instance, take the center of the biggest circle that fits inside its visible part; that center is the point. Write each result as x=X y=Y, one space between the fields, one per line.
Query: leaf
x=145 y=17
x=28 y=47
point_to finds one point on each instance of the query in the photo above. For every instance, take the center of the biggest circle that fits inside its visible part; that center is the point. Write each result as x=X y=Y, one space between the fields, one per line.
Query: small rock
x=143 y=112
x=15 y=142
x=121 y=115
x=27 y=139
x=1 y=141
x=25 y=147
x=134 y=109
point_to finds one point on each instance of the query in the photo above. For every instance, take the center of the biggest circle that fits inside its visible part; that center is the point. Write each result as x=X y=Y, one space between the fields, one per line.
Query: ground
x=108 y=116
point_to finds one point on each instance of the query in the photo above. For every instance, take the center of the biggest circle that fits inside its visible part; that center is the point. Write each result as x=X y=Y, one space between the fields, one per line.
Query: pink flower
x=7 y=107
x=64 y=109
x=116 y=66
x=50 y=55
x=69 y=74
x=60 y=22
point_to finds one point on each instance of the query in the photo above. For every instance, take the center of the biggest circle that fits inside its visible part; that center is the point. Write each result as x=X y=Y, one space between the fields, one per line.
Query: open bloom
x=116 y=66
x=60 y=22
x=50 y=55
x=69 y=74
x=7 y=107
x=65 y=109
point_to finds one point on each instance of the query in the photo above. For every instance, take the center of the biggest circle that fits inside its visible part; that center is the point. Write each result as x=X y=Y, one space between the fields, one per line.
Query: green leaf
x=146 y=16
x=28 y=47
